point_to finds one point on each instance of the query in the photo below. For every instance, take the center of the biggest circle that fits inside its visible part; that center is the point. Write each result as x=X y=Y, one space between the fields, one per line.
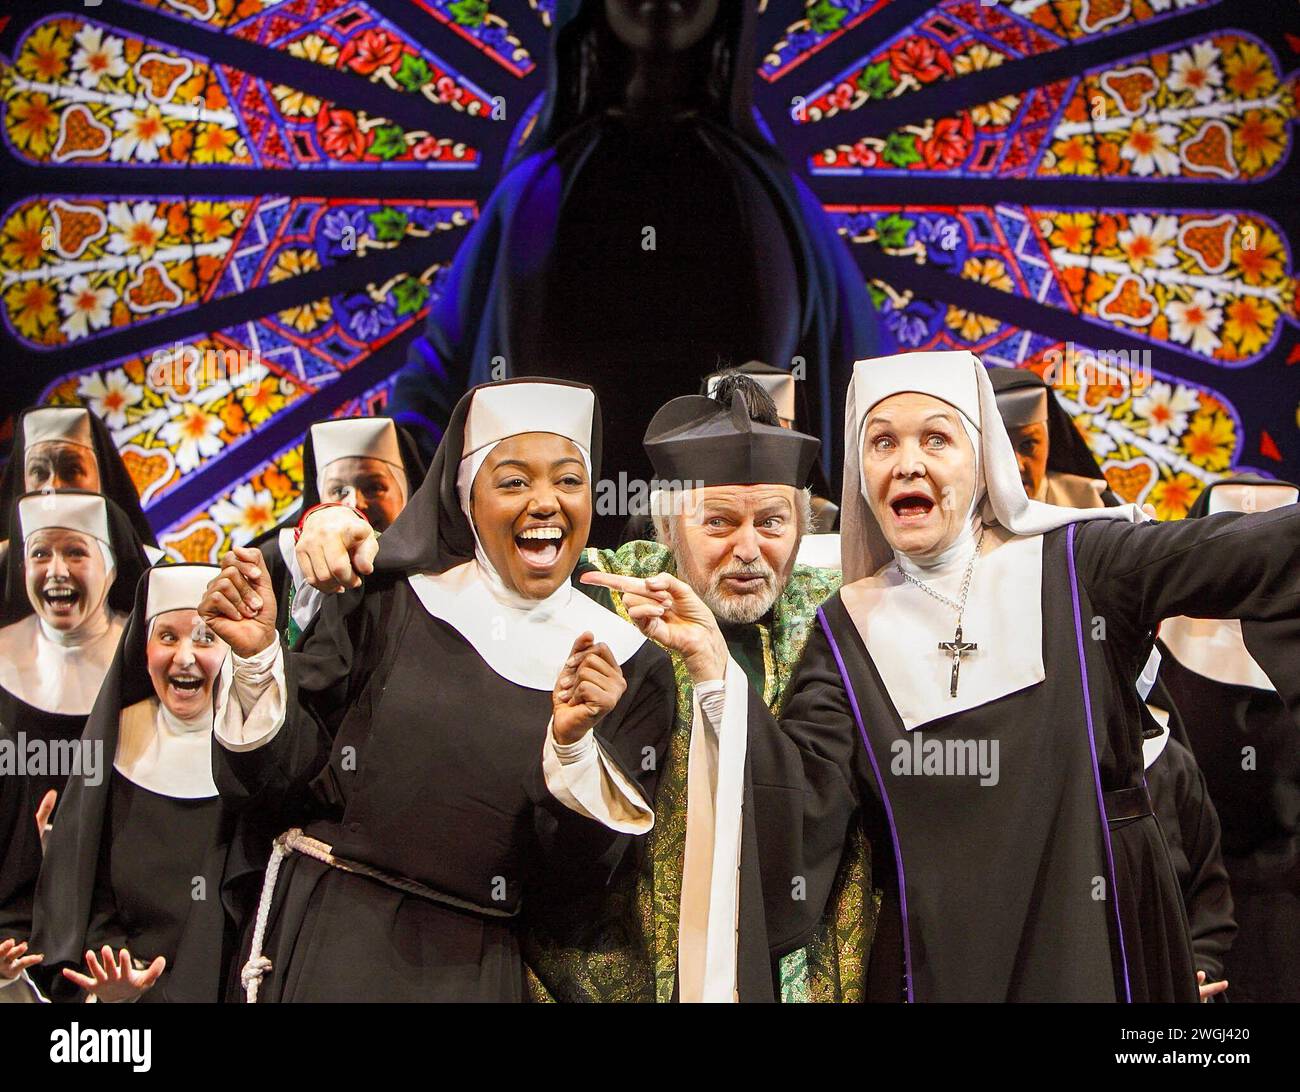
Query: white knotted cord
x=253 y=971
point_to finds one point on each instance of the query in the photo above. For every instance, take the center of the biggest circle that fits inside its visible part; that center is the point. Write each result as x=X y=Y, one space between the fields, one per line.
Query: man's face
x=531 y=502
x=736 y=545
x=919 y=468
x=1031 y=446
x=66 y=577
x=660 y=26
x=57 y=464
x=367 y=485
x=184 y=657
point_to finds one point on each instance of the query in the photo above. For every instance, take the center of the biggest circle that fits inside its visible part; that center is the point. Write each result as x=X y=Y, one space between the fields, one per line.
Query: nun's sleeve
x=804 y=800
x=277 y=712
x=590 y=793
x=1221 y=566
x=584 y=778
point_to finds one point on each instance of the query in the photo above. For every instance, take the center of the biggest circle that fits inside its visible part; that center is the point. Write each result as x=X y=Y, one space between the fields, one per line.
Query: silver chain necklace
x=955 y=648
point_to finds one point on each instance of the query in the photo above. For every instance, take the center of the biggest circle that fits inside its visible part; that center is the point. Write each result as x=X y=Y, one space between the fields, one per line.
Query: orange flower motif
x=1174 y=495
x=31 y=306
x=1210 y=440
x=45 y=54
x=33 y=124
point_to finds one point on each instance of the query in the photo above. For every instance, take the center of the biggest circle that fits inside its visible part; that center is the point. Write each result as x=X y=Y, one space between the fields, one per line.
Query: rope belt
x=295 y=841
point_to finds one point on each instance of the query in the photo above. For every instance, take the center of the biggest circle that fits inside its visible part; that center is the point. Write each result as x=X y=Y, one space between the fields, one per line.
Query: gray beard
x=741 y=609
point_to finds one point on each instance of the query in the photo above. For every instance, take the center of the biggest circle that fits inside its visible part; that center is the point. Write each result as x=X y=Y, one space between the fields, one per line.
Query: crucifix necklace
x=956 y=648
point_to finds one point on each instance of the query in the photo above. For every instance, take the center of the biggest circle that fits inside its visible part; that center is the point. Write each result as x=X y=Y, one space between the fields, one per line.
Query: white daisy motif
x=1196 y=322
x=246 y=513
x=1165 y=409
x=1148 y=242
x=194 y=435
x=1196 y=70
x=1151 y=150
x=84 y=308
x=109 y=395
x=1099 y=440
x=139 y=228
x=98 y=55
x=143 y=134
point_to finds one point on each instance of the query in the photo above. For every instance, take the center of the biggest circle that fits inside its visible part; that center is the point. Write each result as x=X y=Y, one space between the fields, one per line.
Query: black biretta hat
x=694 y=439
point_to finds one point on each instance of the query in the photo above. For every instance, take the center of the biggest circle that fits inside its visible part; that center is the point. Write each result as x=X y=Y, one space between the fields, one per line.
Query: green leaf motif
x=878 y=296
x=893 y=230
x=469 y=13
x=900 y=150
x=410 y=295
x=413 y=73
x=876 y=80
x=389 y=142
x=389 y=224
x=824 y=17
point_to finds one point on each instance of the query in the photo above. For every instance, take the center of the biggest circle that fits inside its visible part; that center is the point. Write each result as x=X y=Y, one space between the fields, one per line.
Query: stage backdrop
x=225 y=219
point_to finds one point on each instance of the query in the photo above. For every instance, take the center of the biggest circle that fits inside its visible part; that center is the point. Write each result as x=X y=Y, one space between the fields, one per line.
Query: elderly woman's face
x=55 y=464
x=919 y=468
x=184 y=657
x=531 y=502
x=66 y=577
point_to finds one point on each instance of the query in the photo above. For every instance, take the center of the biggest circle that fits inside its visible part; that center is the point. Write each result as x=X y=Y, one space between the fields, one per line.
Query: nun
x=368 y=464
x=1244 y=739
x=68 y=447
x=68 y=596
x=431 y=735
x=129 y=902
x=971 y=692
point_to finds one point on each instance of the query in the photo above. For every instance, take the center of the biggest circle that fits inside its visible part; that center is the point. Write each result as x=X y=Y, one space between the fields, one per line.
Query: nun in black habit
x=133 y=873
x=1238 y=726
x=648 y=233
x=408 y=733
x=971 y=692
x=369 y=464
x=68 y=585
x=68 y=447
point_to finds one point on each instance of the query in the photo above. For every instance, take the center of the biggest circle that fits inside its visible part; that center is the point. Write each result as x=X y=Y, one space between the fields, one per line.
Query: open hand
x=14 y=958
x=115 y=979
x=239 y=606
x=669 y=612
x=590 y=685
x=336 y=549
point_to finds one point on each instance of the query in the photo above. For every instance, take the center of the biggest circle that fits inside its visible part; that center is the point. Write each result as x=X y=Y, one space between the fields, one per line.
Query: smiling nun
x=68 y=590
x=432 y=734
x=129 y=904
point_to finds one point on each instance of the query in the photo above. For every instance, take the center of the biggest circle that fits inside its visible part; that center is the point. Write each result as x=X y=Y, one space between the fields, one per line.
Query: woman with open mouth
x=973 y=621
x=433 y=731
x=130 y=904
x=67 y=593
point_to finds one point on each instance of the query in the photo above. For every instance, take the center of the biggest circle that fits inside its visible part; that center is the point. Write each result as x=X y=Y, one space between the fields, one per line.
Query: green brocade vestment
x=629 y=953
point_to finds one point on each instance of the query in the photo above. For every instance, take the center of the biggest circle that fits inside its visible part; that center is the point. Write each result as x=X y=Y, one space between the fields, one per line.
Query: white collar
x=902 y=626
x=58 y=674
x=164 y=754
x=1214 y=649
x=525 y=641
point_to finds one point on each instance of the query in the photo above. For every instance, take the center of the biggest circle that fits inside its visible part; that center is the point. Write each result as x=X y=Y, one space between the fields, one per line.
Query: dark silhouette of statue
x=646 y=234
